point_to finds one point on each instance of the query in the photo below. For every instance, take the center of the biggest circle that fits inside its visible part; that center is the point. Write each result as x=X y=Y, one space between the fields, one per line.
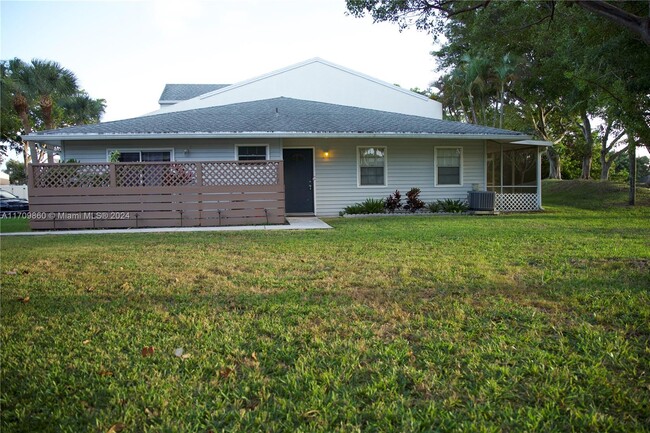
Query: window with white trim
x=252 y=153
x=449 y=165
x=371 y=166
x=144 y=155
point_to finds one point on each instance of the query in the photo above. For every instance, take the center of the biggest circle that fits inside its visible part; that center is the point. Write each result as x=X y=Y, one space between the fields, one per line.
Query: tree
x=16 y=85
x=577 y=64
x=505 y=73
x=527 y=73
x=430 y=14
x=49 y=80
x=10 y=124
x=81 y=109
x=610 y=135
x=16 y=171
x=41 y=95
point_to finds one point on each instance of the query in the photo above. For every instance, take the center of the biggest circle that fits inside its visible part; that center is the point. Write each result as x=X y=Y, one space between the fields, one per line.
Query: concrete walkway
x=295 y=223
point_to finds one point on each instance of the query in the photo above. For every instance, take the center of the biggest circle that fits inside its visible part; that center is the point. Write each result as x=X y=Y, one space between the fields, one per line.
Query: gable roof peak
x=317 y=79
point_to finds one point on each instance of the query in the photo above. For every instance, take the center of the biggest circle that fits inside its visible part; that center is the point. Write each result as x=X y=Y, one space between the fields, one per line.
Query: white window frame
x=435 y=166
x=385 y=148
x=172 y=157
x=268 y=150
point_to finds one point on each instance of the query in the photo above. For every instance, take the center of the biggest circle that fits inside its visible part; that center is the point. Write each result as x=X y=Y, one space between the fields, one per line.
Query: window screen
x=372 y=166
x=448 y=164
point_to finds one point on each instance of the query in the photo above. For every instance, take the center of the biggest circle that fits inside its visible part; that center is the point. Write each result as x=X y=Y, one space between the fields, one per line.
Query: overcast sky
x=125 y=51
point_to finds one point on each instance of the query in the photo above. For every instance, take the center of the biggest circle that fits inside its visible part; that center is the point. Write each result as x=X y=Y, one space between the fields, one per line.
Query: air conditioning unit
x=481 y=200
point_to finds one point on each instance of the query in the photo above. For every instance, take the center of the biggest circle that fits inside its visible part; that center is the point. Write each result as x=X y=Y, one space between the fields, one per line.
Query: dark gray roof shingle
x=280 y=115
x=183 y=92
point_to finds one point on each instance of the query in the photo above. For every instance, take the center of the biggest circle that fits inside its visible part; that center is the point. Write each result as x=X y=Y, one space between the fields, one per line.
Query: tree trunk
x=554 y=164
x=47 y=104
x=605 y=165
x=471 y=106
x=632 y=159
x=586 y=167
x=588 y=154
x=33 y=154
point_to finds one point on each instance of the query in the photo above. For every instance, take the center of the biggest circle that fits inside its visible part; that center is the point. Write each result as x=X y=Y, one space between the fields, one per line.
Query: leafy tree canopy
x=549 y=68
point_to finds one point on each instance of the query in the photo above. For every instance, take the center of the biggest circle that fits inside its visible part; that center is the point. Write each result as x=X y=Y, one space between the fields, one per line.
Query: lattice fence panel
x=72 y=176
x=235 y=173
x=510 y=202
x=132 y=175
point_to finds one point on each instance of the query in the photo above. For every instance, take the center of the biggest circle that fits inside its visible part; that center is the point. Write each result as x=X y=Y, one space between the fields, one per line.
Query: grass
x=14 y=224
x=528 y=322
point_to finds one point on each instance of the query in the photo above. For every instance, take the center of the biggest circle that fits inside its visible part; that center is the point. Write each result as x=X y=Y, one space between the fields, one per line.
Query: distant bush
x=393 y=202
x=370 y=205
x=413 y=202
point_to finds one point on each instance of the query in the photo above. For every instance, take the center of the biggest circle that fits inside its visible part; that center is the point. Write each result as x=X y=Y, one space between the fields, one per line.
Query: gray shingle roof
x=183 y=92
x=280 y=115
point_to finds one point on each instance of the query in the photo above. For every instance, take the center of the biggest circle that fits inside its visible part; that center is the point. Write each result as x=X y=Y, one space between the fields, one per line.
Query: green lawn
x=14 y=224
x=529 y=322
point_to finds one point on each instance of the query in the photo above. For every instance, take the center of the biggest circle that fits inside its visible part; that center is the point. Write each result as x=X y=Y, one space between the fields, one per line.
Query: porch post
x=501 y=167
x=485 y=166
x=539 y=178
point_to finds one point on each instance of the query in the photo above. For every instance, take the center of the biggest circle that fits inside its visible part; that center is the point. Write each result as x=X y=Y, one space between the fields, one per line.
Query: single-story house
x=333 y=136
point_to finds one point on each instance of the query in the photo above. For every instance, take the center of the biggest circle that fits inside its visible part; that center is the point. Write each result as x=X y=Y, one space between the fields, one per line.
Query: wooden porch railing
x=156 y=194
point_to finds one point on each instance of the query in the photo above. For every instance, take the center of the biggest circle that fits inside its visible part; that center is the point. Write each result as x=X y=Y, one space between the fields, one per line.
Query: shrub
x=393 y=202
x=413 y=202
x=370 y=205
x=453 y=206
x=434 y=206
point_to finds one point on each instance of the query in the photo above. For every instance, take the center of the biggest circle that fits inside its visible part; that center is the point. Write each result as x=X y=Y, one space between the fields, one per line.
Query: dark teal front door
x=299 y=180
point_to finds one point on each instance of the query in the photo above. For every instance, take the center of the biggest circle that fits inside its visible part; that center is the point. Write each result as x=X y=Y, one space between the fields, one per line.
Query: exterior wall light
x=326 y=154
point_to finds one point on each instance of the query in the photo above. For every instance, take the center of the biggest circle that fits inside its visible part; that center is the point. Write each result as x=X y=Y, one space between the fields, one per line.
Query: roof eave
x=98 y=137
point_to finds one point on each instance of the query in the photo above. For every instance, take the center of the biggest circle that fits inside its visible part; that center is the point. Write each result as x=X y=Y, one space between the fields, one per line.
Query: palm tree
x=476 y=83
x=37 y=85
x=81 y=109
x=504 y=73
x=50 y=80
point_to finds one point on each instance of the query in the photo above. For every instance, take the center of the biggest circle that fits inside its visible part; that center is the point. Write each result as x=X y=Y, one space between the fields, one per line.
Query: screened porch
x=514 y=173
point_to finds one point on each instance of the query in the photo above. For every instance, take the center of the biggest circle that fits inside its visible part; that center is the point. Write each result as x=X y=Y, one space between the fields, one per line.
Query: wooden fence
x=156 y=194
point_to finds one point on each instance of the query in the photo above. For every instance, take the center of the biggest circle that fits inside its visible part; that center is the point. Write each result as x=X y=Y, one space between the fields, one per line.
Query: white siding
x=197 y=150
x=409 y=164
x=318 y=80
